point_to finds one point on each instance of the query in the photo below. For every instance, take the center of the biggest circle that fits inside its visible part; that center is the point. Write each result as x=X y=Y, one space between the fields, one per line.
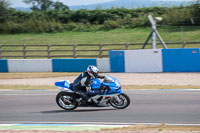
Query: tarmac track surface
x=147 y=106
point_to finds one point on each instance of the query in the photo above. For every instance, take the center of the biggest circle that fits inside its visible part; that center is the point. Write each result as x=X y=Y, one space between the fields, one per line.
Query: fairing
x=65 y=84
x=111 y=82
x=96 y=84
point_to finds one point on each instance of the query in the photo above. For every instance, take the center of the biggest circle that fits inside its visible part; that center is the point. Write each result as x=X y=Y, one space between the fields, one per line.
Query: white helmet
x=93 y=71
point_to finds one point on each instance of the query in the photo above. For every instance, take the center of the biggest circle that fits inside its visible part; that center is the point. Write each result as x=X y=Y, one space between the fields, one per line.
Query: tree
x=42 y=5
x=4 y=10
x=196 y=12
x=60 y=6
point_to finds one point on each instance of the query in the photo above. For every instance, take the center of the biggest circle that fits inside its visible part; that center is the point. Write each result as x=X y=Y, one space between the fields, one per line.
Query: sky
x=19 y=3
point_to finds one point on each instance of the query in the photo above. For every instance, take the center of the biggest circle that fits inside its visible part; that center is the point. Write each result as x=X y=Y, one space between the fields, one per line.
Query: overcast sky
x=19 y=3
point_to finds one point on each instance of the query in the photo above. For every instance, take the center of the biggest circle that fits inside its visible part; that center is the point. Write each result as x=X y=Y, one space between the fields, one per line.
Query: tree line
x=49 y=16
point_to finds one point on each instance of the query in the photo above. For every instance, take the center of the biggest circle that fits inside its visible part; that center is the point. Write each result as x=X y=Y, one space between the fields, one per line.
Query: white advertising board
x=30 y=65
x=103 y=64
x=146 y=60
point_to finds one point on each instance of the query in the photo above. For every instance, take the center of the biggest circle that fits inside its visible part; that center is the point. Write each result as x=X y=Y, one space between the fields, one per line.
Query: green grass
x=117 y=36
x=71 y=37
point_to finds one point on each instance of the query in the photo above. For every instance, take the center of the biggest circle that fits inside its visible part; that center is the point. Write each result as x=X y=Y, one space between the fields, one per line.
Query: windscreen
x=108 y=79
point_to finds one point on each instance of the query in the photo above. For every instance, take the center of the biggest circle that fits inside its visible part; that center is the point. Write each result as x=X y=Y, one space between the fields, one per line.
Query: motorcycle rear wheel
x=124 y=101
x=66 y=101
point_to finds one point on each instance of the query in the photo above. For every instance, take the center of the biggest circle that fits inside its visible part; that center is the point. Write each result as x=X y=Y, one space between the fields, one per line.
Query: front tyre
x=120 y=101
x=66 y=100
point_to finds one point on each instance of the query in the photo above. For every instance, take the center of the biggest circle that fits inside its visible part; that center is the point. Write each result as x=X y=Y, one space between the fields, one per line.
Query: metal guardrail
x=70 y=51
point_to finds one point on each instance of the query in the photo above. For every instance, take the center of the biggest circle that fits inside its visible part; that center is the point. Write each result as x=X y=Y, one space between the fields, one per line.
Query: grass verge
x=35 y=75
x=158 y=128
x=51 y=128
x=93 y=129
x=135 y=87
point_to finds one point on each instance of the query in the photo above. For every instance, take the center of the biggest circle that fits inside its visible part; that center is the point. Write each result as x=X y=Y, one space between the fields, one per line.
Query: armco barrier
x=181 y=60
x=150 y=60
x=136 y=60
x=117 y=61
x=29 y=65
x=55 y=65
x=71 y=65
x=3 y=65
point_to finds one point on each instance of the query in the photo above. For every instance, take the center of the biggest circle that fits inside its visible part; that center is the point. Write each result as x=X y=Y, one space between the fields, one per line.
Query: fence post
x=183 y=45
x=182 y=33
x=100 y=50
x=48 y=50
x=127 y=45
x=74 y=50
x=0 y=51
x=24 y=51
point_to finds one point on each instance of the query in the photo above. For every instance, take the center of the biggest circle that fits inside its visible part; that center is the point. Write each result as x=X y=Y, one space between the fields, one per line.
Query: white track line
x=7 y=124
x=27 y=94
x=103 y=123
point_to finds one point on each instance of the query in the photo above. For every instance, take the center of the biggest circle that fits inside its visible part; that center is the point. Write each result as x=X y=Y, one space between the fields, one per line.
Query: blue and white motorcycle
x=109 y=93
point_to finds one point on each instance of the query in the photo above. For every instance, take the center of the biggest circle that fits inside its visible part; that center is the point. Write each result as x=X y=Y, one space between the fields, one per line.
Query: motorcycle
x=109 y=93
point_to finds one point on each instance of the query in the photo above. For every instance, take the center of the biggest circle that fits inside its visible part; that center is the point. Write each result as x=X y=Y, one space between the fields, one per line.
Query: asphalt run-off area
x=147 y=107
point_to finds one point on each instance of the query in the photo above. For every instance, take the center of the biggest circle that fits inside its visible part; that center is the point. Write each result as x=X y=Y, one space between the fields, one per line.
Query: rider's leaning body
x=82 y=82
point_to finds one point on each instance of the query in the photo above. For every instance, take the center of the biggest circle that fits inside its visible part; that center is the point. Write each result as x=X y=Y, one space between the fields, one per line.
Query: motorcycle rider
x=82 y=82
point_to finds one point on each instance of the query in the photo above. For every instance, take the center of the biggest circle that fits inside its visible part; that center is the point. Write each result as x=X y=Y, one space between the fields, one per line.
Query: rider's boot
x=85 y=98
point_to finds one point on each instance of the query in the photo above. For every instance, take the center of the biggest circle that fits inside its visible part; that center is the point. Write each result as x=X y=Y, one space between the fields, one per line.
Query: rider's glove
x=88 y=88
x=100 y=76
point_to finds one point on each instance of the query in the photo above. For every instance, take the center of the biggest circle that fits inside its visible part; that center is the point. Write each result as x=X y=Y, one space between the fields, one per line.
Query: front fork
x=116 y=98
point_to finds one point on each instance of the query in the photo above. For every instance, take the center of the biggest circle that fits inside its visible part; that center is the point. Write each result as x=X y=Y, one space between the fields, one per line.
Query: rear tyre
x=120 y=102
x=66 y=100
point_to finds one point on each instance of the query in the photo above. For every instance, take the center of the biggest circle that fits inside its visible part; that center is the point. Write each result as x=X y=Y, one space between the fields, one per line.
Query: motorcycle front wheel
x=120 y=101
x=66 y=101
